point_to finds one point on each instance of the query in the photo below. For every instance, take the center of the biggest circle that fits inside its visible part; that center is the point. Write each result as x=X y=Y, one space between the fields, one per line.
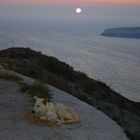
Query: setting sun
x=78 y=10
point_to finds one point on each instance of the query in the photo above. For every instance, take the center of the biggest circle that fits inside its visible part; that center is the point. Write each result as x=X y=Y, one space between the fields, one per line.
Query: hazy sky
x=99 y=11
x=60 y=2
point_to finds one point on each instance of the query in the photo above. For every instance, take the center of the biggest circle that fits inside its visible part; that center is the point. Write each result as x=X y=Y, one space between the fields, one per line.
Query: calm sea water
x=115 y=61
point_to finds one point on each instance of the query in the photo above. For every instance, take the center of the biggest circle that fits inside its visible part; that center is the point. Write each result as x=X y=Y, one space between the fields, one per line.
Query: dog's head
x=40 y=107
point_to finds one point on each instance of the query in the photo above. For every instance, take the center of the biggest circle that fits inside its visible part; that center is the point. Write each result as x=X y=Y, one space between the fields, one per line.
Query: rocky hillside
x=49 y=69
x=133 y=32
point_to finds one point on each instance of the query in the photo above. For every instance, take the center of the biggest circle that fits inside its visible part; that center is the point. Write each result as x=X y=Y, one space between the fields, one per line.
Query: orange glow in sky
x=60 y=2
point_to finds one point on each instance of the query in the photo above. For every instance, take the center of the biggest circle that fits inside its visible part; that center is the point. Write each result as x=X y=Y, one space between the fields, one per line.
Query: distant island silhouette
x=127 y=32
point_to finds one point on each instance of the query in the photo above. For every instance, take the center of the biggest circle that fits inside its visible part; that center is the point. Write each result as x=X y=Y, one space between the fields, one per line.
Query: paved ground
x=94 y=124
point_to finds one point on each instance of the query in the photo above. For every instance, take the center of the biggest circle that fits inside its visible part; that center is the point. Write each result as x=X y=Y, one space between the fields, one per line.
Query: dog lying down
x=56 y=112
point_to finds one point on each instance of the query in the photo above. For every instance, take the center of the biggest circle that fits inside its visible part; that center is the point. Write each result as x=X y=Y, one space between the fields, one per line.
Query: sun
x=78 y=10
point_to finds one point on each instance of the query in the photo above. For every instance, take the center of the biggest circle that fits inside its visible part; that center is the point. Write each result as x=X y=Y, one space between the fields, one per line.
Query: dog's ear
x=36 y=98
x=45 y=101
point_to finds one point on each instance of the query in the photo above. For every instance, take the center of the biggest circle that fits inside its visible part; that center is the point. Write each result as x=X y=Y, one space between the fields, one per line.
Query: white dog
x=54 y=111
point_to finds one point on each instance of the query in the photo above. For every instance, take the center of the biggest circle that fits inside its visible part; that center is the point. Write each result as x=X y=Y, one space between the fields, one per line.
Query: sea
x=115 y=61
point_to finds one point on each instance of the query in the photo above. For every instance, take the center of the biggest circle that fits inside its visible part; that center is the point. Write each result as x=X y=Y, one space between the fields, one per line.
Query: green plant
x=37 y=88
x=10 y=77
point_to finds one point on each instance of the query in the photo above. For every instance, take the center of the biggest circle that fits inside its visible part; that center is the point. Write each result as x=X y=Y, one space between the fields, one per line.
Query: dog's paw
x=58 y=122
x=43 y=118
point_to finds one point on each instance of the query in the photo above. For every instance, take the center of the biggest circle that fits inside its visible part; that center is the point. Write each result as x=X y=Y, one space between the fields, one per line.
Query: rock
x=1 y=67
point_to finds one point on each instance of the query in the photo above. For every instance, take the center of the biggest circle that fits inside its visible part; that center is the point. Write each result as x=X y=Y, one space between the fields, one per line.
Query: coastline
x=62 y=76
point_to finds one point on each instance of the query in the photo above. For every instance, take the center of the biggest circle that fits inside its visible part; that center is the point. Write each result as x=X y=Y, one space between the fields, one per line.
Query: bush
x=36 y=89
x=10 y=77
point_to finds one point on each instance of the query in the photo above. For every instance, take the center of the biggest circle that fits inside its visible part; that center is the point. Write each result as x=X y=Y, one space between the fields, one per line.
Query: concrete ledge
x=94 y=124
